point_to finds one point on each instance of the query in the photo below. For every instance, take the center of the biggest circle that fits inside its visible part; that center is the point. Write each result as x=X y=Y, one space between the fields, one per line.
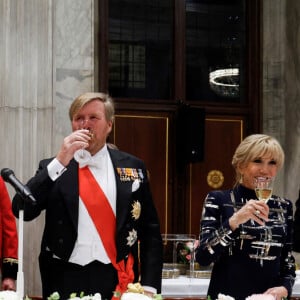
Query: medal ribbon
x=104 y=219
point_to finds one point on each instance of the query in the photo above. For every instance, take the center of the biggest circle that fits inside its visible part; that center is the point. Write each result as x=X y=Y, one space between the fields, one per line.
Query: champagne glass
x=82 y=154
x=263 y=191
x=264 y=188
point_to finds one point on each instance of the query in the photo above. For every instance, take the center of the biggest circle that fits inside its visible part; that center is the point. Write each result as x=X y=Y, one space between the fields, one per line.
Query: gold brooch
x=136 y=210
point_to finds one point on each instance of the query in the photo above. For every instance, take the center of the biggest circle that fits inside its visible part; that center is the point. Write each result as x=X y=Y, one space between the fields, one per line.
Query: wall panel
x=222 y=136
x=147 y=137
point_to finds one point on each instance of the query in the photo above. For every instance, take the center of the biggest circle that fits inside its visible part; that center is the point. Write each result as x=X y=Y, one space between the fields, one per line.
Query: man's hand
x=8 y=284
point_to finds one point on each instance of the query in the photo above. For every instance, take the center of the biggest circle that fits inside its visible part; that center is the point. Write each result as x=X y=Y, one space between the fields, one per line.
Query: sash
x=104 y=219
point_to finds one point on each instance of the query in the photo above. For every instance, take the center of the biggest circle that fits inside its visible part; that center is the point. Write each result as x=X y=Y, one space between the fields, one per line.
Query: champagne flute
x=264 y=188
x=82 y=153
x=263 y=191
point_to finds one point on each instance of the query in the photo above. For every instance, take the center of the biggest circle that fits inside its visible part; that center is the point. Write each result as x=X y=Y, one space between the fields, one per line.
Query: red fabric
x=8 y=227
x=104 y=219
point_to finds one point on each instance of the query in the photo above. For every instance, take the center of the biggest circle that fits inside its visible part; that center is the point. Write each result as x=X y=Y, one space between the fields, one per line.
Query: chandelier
x=225 y=82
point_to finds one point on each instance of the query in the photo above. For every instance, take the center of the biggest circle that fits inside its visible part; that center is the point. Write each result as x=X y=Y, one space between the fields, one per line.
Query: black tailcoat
x=60 y=200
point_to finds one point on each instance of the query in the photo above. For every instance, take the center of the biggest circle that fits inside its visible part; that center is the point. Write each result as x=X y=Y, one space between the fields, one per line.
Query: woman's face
x=264 y=166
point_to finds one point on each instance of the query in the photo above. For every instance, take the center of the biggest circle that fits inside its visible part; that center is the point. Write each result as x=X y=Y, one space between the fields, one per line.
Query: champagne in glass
x=80 y=126
x=82 y=153
x=264 y=188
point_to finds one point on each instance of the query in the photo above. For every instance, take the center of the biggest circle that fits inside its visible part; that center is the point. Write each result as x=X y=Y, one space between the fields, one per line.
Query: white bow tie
x=84 y=158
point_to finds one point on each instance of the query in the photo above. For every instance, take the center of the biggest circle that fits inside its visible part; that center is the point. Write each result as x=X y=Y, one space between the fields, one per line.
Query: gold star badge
x=136 y=210
x=132 y=237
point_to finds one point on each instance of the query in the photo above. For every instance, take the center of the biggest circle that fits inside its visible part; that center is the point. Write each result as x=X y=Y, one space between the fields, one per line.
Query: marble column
x=74 y=58
x=292 y=99
x=281 y=105
x=273 y=52
x=281 y=88
x=46 y=59
x=26 y=105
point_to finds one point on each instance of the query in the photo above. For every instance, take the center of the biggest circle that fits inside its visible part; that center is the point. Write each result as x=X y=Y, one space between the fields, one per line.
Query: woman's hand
x=278 y=292
x=256 y=210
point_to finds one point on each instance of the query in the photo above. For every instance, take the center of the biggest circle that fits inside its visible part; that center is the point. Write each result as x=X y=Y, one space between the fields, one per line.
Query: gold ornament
x=135 y=288
x=136 y=210
x=215 y=179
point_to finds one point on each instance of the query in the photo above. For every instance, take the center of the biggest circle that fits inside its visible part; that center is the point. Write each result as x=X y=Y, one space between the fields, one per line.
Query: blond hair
x=85 y=98
x=255 y=146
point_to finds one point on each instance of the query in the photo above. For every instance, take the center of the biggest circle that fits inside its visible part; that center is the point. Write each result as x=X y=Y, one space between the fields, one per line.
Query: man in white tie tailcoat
x=101 y=226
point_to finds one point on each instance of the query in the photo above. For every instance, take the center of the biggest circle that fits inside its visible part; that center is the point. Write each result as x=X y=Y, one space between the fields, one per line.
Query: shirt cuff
x=55 y=169
x=150 y=289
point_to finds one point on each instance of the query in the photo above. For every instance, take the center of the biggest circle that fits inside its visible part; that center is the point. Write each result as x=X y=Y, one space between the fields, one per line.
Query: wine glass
x=83 y=155
x=264 y=188
x=263 y=191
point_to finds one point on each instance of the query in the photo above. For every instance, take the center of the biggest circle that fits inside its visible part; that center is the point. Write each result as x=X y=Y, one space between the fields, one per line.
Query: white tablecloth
x=184 y=287
x=296 y=289
x=194 y=287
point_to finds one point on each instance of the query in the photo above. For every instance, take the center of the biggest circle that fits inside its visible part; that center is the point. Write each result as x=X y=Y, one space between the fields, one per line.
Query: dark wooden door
x=147 y=137
x=222 y=135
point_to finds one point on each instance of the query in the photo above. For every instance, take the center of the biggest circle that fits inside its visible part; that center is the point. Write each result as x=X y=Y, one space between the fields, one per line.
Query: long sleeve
x=216 y=236
x=296 y=227
x=287 y=263
x=8 y=235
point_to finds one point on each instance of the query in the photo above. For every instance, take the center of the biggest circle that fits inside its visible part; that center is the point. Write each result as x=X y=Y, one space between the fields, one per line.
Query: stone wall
x=47 y=58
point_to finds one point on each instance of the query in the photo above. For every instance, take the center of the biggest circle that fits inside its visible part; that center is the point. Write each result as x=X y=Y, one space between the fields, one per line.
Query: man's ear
x=110 y=126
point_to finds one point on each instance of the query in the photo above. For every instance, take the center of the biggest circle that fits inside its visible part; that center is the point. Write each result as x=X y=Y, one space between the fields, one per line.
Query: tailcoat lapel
x=123 y=189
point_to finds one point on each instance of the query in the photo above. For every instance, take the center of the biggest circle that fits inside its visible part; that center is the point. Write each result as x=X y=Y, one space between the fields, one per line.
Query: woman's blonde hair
x=83 y=99
x=255 y=146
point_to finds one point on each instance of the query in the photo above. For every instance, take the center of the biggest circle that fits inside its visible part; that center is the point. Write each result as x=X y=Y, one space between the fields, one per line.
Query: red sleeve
x=8 y=235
